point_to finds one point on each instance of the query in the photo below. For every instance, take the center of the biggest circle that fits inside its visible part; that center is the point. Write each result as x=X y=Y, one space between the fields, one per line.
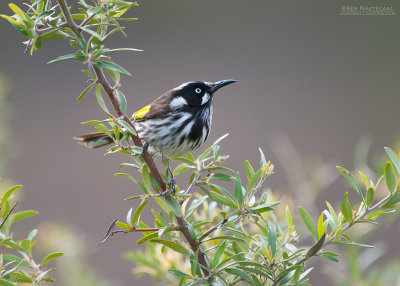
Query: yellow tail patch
x=141 y=113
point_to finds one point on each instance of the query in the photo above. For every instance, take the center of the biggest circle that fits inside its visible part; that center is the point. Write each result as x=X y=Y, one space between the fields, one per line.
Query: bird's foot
x=173 y=189
x=145 y=148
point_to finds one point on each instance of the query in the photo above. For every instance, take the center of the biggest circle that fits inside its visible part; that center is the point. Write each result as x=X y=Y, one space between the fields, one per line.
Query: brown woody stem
x=195 y=245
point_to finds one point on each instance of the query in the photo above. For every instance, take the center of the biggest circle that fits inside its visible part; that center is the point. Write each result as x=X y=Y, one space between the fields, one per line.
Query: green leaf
x=249 y=170
x=112 y=66
x=129 y=216
x=392 y=201
x=27 y=246
x=173 y=245
x=220 y=190
x=18 y=278
x=265 y=207
x=146 y=177
x=366 y=182
x=288 y=216
x=252 y=183
x=393 y=157
x=121 y=101
x=173 y=205
x=321 y=228
x=123 y=225
x=195 y=204
x=221 y=177
x=136 y=215
x=43 y=15
x=6 y=283
x=8 y=194
x=123 y=50
x=218 y=254
x=390 y=178
x=179 y=274
x=134 y=197
x=29 y=23
x=263 y=161
x=68 y=57
x=271 y=238
x=222 y=200
x=238 y=189
x=352 y=243
x=32 y=234
x=146 y=238
x=22 y=215
x=102 y=128
x=370 y=196
x=346 y=207
x=50 y=257
x=329 y=256
x=127 y=127
x=216 y=142
x=100 y=99
x=240 y=274
x=83 y=94
x=351 y=179
x=309 y=223
x=333 y=213
x=180 y=169
x=93 y=33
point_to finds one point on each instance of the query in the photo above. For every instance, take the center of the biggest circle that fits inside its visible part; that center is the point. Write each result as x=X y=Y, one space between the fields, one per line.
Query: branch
x=183 y=226
x=68 y=17
x=212 y=229
x=330 y=240
x=110 y=92
x=194 y=244
x=111 y=231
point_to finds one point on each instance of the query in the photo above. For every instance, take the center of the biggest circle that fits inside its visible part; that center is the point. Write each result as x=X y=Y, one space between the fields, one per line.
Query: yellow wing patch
x=141 y=113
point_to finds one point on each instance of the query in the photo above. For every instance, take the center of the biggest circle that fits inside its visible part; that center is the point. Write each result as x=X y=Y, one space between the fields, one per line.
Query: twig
x=9 y=213
x=330 y=240
x=68 y=17
x=194 y=244
x=212 y=229
x=111 y=231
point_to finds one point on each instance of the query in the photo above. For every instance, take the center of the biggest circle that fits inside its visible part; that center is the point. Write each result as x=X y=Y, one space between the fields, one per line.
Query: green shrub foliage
x=220 y=227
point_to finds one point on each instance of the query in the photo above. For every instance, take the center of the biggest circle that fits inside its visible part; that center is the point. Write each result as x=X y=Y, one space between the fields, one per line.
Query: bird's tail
x=94 y=140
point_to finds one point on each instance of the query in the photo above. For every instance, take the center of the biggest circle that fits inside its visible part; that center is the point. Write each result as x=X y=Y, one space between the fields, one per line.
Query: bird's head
x=196 y=93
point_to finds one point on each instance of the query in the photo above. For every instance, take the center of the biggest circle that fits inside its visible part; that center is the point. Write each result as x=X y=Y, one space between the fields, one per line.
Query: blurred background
x=315 y=89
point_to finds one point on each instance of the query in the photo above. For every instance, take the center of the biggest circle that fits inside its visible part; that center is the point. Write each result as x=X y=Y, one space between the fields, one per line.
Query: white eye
x=197 y=90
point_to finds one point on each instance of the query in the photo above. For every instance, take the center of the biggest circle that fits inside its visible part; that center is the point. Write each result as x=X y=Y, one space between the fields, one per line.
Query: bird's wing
x=158 y=108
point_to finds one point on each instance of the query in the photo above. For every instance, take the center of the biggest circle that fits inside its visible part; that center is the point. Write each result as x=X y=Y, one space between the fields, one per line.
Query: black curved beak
x=217 y=85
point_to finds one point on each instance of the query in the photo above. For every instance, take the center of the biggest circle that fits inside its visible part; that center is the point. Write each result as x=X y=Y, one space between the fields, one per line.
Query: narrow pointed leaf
x=351 y=179
x=178 y=273
x=346 y=208
x=390 y=178
x=238 y=189
x=309 y=223
x=136 y=215
x=112 y=66
x=393 y=157
x=50 y=257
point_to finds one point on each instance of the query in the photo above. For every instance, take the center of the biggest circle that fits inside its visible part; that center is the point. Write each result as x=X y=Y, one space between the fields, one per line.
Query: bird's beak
x=217 y=85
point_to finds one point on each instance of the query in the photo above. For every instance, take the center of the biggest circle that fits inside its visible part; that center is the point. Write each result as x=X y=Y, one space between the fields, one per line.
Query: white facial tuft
x=178 y=102
x=206 y=97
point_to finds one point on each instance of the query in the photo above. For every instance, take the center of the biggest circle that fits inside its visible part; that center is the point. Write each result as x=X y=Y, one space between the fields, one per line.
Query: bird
x=174 y=124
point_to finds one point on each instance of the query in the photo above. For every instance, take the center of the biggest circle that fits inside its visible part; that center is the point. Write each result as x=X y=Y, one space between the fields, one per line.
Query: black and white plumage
x=176 y=123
